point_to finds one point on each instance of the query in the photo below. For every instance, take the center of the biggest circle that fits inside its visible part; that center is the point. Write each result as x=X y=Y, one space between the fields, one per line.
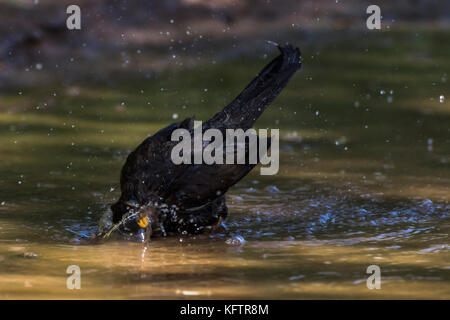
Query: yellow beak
x=143 y=222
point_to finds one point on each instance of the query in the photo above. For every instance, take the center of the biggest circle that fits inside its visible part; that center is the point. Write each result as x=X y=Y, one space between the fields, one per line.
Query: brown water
x=364 y=179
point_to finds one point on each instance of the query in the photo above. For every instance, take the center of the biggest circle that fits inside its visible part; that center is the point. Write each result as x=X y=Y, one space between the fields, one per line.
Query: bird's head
x=135 y=220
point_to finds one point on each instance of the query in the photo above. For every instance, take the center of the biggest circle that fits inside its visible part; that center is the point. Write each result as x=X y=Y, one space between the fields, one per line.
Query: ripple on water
x=303 y=214
x=310 y=212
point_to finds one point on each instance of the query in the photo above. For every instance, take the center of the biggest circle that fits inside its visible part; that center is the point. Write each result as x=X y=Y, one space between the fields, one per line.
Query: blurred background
x=146 y=36
x=365 y=146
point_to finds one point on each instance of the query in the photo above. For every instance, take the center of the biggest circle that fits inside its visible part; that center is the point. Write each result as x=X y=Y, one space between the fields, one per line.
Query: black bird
x=161 y=198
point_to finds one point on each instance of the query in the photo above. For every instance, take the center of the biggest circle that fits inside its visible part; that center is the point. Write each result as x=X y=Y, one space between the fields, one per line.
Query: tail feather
x=246 y=108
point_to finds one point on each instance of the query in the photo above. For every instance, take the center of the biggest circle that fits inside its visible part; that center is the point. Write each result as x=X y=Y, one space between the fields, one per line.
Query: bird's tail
x=246 y=108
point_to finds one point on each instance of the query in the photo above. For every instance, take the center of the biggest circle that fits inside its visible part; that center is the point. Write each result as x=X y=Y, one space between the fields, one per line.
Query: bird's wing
x=202 y=183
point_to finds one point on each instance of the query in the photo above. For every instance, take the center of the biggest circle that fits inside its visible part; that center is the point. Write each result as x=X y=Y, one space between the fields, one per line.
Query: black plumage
x=189 y=198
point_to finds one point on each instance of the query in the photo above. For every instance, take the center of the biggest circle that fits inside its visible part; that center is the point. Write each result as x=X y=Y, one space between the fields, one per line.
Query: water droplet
x=430 y=144
x=272 y=189
x=236 y=240
x=300 y=276
x=441 y=98
x=175 y=116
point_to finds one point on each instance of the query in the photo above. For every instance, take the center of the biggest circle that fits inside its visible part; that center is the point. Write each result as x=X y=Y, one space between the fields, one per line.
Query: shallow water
x=360 y=183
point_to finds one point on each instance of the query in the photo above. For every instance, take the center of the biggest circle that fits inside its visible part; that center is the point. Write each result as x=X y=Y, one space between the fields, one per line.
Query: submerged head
x=134 y=219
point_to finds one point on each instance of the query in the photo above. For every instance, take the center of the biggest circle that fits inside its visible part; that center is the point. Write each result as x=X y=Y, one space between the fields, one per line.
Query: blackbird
x=159 y=197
